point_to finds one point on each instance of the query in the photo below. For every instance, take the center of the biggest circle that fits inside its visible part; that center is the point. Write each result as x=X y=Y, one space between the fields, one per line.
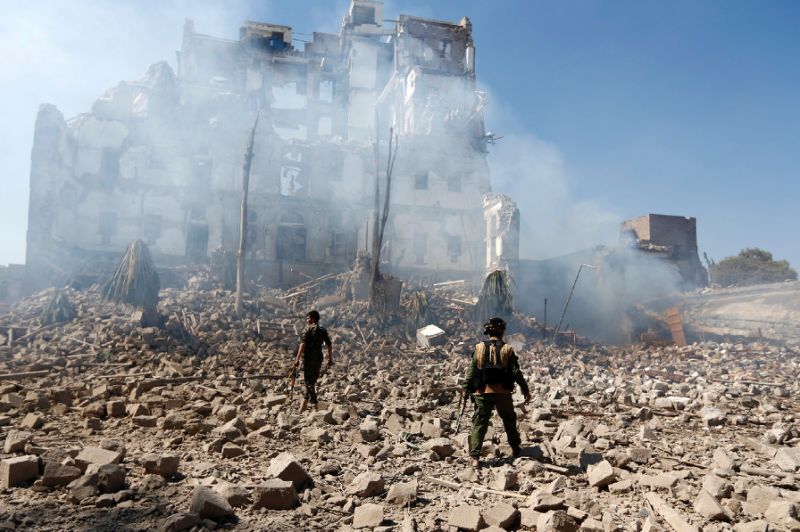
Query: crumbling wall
x=501 y=217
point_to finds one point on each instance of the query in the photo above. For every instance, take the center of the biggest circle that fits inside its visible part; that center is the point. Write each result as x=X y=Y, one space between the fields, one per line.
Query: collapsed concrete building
x=656 y=257
x=161 y=158
x=672 y=238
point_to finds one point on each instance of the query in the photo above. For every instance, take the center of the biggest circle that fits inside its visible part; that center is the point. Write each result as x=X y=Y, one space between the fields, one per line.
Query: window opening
x=421 y=180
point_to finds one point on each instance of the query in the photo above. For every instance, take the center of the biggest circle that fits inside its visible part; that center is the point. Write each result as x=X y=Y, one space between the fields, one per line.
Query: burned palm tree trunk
x=136 y=283
x=58 y=310
x=378 y=295
x=240 y=255
x=419 y=312
x=495 y=298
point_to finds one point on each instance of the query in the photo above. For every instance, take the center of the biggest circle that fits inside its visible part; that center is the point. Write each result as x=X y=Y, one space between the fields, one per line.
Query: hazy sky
x=609 y=109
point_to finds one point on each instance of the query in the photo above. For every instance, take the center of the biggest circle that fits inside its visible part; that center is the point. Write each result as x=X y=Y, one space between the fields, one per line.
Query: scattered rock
x=208 y=503
x=465 y=517
x=368 y=516
x=367 y=484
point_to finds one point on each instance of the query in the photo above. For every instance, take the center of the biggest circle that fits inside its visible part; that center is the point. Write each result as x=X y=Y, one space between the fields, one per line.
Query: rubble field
x=110 y=426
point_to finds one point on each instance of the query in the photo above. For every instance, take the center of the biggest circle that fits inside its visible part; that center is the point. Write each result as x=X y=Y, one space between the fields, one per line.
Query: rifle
x=461 y=411
x=292 y=381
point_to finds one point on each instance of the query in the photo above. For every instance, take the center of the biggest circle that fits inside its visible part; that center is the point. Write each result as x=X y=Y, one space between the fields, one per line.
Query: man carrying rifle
x=311 y=341
x=491 y=378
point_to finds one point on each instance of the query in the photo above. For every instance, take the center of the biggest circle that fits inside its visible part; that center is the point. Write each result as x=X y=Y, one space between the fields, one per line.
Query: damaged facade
x=161 y=158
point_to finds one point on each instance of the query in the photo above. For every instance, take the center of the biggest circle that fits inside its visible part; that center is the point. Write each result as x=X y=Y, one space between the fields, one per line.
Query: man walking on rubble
x=490 y=380
x=311 y=340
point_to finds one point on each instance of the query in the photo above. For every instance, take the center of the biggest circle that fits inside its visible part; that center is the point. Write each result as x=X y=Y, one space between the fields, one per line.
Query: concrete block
x=430 y=336
x=165 y=465
x=18 y=470
x=276 y=494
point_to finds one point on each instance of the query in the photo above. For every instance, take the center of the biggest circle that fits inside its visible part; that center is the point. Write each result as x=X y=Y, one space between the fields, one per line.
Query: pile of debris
x=107 y=424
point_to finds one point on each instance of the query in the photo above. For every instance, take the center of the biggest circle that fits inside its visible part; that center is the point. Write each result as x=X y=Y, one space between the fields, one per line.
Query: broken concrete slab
x=276 y=494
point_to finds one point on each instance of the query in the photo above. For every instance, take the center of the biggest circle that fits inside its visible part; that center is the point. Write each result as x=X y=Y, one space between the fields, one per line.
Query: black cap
x=494 y=325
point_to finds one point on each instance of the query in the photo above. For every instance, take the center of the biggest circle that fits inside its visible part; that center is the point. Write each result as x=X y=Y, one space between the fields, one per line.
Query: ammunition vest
x=492 y=357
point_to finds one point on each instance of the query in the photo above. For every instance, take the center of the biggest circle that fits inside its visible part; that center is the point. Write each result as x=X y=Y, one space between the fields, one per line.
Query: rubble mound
x=110 y=425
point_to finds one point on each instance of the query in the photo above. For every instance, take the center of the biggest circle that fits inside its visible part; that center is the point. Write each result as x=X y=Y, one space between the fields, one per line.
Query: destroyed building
x=655 y=257
x=672 y=238
x=161 y=158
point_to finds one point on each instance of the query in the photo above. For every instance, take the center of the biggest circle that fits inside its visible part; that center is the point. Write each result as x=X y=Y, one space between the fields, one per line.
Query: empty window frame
x=363 y=15
x=445 y=47
x=291 y=241
x=326 y=90
x=253 y=241
x=454 y=247
x=421 y=180
x=109 y=165
x=197 y=241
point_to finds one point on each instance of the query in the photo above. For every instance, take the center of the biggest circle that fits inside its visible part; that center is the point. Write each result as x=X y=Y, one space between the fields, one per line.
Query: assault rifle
x=463 y=401
x=292 y=381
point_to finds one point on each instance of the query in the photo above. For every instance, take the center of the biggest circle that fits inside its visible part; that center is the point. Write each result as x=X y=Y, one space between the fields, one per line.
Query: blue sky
x=610 y=109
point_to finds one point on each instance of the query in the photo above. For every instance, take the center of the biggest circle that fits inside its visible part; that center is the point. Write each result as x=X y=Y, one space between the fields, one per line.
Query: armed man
x=490 y=379
x=311 y=340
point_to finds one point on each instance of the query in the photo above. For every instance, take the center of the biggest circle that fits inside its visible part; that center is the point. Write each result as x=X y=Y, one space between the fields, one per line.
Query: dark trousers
x=484 y=405
x=311 y=368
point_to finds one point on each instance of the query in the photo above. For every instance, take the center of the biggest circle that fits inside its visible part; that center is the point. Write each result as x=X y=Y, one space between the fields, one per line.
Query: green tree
x=751 y=266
